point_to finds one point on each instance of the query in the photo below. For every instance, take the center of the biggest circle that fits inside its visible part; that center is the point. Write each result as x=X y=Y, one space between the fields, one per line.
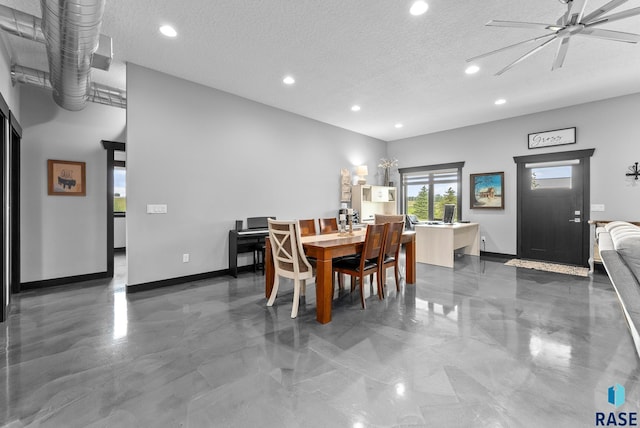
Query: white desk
x=436 y=243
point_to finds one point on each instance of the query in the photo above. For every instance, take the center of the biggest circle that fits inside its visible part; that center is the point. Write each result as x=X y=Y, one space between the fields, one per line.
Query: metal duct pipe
x=98 y=93
x=30 y=27
x=107 y=95
x=30 y=76
x=71 y=29
x=21 y=24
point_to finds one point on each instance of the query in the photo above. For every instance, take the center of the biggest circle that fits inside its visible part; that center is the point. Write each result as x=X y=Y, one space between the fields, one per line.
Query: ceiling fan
x=573 y=22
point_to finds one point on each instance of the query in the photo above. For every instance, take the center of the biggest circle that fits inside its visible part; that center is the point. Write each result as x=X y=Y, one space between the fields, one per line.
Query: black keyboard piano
x=247 y=240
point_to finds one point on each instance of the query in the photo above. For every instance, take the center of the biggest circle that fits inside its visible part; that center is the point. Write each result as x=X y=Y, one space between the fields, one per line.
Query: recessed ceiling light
x=398 y=125
x=500 y=101
x=288 y=80
x=418 y=8
x=168 y=31
x=355 y=108
x=472 y=69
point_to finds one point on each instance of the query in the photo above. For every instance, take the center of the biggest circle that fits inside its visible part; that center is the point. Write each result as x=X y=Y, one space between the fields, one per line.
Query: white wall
x=7 y=89
x=213 y=157
x=610 y=126
x=119 y=232
x=63 y=235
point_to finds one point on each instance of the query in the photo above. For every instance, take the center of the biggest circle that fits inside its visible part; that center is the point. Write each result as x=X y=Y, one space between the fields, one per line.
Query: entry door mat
x=549 y=267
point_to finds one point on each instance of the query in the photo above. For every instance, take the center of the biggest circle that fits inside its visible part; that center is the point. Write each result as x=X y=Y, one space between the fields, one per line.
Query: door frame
x=584 y=156
x=110 y=147
x=4 y=138
x=15 y=137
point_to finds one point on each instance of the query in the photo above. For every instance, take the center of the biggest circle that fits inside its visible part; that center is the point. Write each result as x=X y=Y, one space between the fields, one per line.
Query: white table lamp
x=362 y=171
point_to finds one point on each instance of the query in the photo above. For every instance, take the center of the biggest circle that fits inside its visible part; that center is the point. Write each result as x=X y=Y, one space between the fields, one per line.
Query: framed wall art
x=557 y=137
x=66 y=178
x=487 y=190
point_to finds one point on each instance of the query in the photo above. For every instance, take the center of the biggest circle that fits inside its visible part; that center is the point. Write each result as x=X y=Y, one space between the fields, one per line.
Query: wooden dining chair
x=388 y=218
x=392 y=241
x=307 y=227
x=328 y=225
x=368 y=262
x=289 y=260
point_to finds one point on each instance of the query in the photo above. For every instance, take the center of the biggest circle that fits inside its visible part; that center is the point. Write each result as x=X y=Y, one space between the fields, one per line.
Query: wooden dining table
x=324 y=248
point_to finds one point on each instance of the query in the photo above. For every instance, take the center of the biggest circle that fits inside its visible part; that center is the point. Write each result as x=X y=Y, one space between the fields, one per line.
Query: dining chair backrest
x=307 y=227
x=393 y=239
x=288 y=255
x=328 y=225
x=388 y=218
x=374 y=242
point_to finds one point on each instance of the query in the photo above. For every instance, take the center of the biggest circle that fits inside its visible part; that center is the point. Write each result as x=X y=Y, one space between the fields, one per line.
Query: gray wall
x=213 y=157
x=63 y=235
x=610 y=126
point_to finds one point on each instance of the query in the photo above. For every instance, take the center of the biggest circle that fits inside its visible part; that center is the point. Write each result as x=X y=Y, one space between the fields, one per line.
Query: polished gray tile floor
x=482 y=345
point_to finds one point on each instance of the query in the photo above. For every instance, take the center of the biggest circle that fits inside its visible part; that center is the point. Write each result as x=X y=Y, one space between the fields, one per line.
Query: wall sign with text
x=558 y=137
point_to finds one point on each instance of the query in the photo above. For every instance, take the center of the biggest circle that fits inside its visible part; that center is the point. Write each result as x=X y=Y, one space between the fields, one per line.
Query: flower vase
x=385 y=181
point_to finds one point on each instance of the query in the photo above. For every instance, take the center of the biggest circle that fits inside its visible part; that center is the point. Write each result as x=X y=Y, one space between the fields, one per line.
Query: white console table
x=436 y=243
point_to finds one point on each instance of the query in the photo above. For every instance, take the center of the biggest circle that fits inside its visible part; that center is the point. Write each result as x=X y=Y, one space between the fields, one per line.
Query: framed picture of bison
x=487 y=190
x=66 y=178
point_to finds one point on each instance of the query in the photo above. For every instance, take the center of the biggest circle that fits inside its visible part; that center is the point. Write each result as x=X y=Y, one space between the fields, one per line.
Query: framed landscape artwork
x=66 y=178
x=487 y=190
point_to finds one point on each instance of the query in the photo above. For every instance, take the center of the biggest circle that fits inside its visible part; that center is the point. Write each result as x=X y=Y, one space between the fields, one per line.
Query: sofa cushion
x=626 y=241
x=615 y=224
x=604 y=242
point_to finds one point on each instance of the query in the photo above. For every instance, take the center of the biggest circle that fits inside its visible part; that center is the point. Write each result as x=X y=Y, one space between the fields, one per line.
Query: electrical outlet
x=185 y=258
x=483 y=239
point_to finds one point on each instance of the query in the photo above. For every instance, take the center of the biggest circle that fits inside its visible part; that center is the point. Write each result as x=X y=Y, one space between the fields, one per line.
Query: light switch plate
x=597 y=207
x=156 y=208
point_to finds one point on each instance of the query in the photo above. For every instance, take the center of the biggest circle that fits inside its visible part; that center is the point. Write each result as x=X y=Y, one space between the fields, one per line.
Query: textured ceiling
x=397 y=67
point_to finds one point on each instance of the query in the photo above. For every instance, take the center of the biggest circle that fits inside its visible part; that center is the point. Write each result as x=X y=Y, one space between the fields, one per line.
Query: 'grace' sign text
x=557 y=137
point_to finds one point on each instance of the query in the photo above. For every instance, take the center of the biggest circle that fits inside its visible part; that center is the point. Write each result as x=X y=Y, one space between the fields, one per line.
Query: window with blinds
x=426 y=190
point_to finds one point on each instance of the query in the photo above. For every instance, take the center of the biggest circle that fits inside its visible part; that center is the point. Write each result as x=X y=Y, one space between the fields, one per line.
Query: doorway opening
x=116 y=203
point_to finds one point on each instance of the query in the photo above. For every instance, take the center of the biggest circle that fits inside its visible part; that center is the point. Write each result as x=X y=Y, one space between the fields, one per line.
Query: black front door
x=553 y=203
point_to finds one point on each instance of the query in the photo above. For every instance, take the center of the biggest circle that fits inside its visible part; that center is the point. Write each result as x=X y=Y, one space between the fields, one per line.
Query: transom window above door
x=551 y=175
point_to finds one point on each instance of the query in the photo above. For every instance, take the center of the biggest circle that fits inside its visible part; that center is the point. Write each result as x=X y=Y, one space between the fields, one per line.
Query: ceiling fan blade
x=618 y=36
x=535 y=39
x=561 y=54
x=575 y=11
x=525 y=56
x=615 y=17
x=602 y=10
x=517 y=24
x=562 y=21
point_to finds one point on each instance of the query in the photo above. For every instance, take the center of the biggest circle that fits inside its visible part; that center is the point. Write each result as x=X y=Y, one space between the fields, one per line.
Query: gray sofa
x=619 y=244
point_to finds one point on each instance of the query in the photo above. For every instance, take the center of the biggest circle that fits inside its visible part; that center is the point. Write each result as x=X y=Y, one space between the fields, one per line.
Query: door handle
x=574 y=220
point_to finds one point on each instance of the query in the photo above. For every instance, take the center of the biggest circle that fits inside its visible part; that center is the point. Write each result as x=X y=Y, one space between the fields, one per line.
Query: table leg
x=269 y=270
x=324 y=290
x=410 y=260
x=592 y=239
